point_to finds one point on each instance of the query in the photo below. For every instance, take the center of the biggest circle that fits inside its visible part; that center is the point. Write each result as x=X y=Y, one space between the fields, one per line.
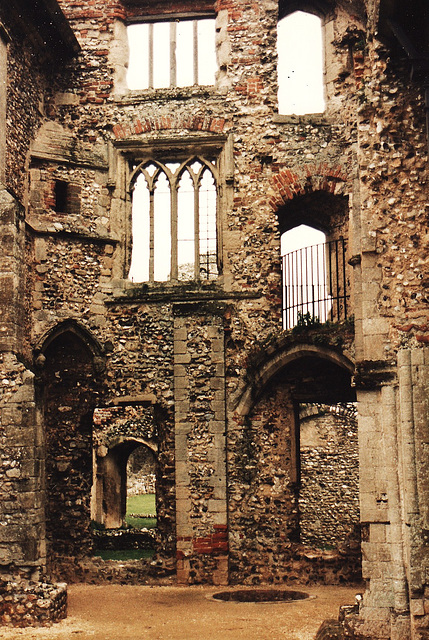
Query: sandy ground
x=117 y=612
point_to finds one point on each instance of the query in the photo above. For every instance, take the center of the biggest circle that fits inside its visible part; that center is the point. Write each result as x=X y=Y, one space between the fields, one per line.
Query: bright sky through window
x=300 y=64
x=305 y=280
x=171 y=54
x=174 y=223
x=300 y=237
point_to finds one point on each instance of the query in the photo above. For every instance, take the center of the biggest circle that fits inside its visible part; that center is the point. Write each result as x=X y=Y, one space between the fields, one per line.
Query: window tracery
x=174 y=220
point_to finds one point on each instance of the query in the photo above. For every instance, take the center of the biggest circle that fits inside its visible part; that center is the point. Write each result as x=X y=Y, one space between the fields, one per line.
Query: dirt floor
x=117 y=612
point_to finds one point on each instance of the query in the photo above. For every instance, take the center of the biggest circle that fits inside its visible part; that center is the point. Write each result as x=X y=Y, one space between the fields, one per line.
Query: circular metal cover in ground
x=261 y=595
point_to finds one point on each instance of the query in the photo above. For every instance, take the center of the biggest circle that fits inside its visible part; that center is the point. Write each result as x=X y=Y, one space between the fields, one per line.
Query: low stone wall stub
x=24 y=603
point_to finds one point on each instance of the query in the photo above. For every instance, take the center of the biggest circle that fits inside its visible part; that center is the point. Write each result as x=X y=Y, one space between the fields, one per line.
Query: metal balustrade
x=315 y=285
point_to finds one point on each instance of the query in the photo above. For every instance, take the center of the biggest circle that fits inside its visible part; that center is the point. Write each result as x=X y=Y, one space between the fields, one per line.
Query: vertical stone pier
x=199 y=394
x=22 y=531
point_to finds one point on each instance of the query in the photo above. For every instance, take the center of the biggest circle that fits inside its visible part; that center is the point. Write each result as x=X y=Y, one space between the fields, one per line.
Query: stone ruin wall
x=21 y=443
x=28 y=76
x=24 y=598
x=392 y=155
x=329 y=493
x=141 y=478
x=263 y=503
x=393 y=171
x=143 y=341
x=73 y=274
x=24 y=603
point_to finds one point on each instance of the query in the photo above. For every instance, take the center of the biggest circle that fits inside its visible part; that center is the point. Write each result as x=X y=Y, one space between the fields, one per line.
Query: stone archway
x=281 y=356
x=69 y=361
x=265 y=473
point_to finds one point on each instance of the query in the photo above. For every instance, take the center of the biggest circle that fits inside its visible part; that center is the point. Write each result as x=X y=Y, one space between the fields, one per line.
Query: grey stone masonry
x=199 y=394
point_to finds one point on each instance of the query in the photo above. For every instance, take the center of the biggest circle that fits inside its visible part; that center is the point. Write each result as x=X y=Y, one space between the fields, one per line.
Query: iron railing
x=315 y=284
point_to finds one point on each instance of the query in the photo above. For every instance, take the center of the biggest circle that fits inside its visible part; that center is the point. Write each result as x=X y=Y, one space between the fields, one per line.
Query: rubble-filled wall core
x=198 y=368
x=329 y=475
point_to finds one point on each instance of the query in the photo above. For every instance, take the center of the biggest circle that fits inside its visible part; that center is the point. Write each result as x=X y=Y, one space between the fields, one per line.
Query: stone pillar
x=22 y=528
x=415 y=419
x=394 y=471
x=375 y=612
x=200 y=445
x=384 y=611
x=393 y=531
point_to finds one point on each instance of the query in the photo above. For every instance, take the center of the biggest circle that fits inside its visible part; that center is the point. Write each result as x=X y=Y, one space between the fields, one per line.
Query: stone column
x=393 y=432
x=378 y=597
x=415 y=377
x=200 y=445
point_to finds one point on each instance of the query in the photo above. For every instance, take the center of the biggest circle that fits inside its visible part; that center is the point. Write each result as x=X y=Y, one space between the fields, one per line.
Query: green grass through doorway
x=141 y=511
x=141 y=514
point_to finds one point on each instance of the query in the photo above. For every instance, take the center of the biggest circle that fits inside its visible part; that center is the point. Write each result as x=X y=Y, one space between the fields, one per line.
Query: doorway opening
x=297 y=456
x=329 y=475
x=124 y=493
x=68 y=393
x=141 y=489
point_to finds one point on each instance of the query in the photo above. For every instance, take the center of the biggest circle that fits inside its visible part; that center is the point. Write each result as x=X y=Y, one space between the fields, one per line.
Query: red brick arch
x=166 y=122
x=288 y=184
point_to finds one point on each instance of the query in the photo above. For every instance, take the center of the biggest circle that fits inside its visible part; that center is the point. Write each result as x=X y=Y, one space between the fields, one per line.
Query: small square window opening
x=61 y=190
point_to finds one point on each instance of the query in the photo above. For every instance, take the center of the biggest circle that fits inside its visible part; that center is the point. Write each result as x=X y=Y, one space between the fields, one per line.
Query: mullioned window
x=171 y=53
x=174 y=220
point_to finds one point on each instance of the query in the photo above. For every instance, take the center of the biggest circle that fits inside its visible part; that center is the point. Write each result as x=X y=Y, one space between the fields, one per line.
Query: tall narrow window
x=314 y=277
x=174 y=221
x=300 y=64
x=179 y=53
x=141 y=232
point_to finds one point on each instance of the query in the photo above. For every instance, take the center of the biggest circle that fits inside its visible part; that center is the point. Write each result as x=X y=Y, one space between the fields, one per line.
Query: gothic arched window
x=174 y=213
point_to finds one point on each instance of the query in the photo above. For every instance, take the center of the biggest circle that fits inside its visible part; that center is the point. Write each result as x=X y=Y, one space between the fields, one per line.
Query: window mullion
x=150 y=56
x=174 y=248
x=218 y=225
x=197 y=228
x=195 y=50
x=151 y=235
x=173 y=43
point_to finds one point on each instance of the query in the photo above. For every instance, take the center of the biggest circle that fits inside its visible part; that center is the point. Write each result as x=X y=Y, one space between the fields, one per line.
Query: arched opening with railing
x=316 y=277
